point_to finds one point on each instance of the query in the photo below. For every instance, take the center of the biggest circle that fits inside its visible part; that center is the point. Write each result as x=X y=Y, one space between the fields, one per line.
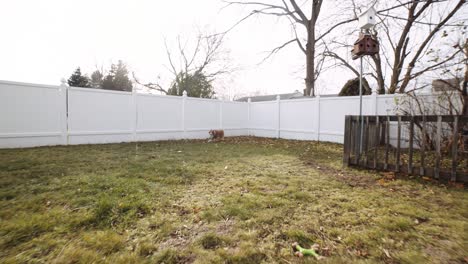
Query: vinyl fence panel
x=159 y=117
x=31 y=115
x=99 y=116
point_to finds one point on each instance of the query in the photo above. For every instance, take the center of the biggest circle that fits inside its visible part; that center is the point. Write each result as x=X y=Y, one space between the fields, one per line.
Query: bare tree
x=204 y=58
x=321 y=38
x=413 y=48
x=459 y=81
x=408 y=33
x=305 y=16
x=448 y=98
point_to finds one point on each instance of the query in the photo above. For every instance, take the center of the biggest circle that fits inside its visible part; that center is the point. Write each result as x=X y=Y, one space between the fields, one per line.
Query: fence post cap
x=249 y=100
x=63 y=82
x=184 y=93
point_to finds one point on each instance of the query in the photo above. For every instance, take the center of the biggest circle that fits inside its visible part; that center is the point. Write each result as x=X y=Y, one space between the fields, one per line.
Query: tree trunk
x=400 y=55
x=310 y=66
x=311 y=75
x=465 y=81
x=378 y=71
x=400 y=49
x=465 y=94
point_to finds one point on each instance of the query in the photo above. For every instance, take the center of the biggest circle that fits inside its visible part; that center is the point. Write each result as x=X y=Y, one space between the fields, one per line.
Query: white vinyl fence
x=32 y=115
x=39 y=115
x=319 y=118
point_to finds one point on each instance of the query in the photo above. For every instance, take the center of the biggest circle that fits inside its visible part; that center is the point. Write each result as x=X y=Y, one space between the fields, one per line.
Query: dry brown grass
x=242 y=200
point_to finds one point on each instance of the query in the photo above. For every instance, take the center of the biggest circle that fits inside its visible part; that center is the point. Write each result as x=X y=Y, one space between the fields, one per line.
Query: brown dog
x=216 y=134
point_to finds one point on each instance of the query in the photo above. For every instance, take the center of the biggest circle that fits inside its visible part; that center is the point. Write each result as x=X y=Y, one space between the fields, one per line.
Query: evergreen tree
x=117 y=79
x=96 y=79
x=351 y=88
x=196 y=84
x=79 y=80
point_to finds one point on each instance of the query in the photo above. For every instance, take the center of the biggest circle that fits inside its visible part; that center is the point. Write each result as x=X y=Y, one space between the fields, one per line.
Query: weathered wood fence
x=431 y=146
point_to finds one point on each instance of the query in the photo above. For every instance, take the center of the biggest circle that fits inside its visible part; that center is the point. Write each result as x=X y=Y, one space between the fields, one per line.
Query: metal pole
x=361 y=134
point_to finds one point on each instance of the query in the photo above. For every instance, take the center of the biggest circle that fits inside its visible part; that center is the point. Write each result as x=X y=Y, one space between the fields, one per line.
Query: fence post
x=387 y=141
x=410 y=151
x=278 y=107
x=398 y=148
x=423 y=147
x=346 y=141
x=377 y=141
x=220 y=113
x=454 y=149
x=184 y=98
x=135 y=116
x=374 y=103
x=249 y=101
x=317 y=116
x=438 y=142
x=63 y=94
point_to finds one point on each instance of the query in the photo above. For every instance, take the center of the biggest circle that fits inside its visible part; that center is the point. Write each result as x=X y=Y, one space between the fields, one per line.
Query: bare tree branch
x=343 y=61
x=204 y=58
x=434 y=66
x=426 y=41
x=280 y=47
x=400 y=48
x=301 y=14
x=328 y=31
x=153 y=86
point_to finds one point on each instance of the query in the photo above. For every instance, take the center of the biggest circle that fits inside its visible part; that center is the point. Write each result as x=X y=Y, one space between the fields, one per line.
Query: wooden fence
x=431 y=146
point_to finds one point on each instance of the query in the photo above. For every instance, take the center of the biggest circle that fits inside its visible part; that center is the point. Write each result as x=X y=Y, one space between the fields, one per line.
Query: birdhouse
x=368 y=18
x=365 y=45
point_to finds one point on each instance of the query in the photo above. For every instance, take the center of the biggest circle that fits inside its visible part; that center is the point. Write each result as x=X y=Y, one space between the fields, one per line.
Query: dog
x=216 y=134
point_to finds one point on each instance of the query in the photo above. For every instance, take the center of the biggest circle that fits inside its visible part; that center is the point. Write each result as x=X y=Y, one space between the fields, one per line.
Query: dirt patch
x=225 y=227
x=344 y=175
x=183 y=236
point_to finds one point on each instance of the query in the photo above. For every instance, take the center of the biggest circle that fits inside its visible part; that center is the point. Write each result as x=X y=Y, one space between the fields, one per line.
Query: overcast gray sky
x=44 y=41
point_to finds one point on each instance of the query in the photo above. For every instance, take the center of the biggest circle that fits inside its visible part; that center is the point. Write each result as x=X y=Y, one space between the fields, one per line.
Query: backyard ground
x=243 y=200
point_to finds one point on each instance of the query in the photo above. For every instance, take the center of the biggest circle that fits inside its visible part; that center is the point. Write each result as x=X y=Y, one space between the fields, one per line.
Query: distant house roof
x=329 y=95
x=271 y=97
x=446 y=85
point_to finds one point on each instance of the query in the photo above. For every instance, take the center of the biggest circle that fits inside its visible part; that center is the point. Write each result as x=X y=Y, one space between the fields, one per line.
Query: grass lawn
x=244 y=200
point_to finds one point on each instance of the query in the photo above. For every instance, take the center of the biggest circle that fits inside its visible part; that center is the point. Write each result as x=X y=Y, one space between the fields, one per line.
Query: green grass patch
x=243 y=200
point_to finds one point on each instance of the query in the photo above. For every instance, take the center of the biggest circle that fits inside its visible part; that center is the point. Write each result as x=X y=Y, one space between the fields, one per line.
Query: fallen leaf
x=456 y=185
x=386 y=253
x=382 y=181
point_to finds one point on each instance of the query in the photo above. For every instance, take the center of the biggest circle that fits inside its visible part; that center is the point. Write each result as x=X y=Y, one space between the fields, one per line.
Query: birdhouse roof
x=362 y=37
x=370 y=10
